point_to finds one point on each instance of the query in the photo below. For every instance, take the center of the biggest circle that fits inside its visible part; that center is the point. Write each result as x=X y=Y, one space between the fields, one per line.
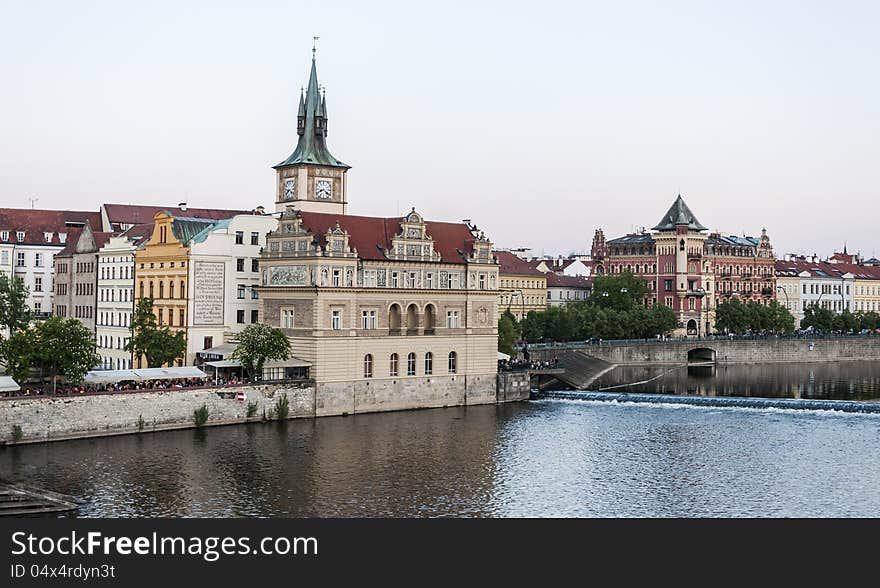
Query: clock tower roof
x=311 y=148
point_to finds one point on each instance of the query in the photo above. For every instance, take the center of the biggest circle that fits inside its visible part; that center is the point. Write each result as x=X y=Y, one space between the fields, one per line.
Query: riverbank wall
x=37 y=419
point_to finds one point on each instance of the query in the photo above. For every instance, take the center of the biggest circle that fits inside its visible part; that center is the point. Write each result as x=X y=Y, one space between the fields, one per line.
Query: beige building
x=383 y=309
x=523 y=287
x=76 y=276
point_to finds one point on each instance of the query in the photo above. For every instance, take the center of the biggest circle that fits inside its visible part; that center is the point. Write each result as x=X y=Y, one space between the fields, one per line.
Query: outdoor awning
x=224 y=363
x=290 y=362
x=7 y=384
x=222 y=350
x=137 y=375
x=502 y=356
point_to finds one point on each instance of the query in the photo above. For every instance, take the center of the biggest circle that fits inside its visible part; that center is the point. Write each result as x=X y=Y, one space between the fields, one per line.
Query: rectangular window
x=254 y=293
x=38 y=284
x=667 y=285
x=19 y=259
x=4 y=235
x=239 y=237
x=38 y=260
x=337 y=277
x=241 y=291
x=38 y=307
x=429 y=280
x=394 y=279
x=20 y=236
x=255 y=316
x=669 y=301
x=482 y=281
x=370 y=278
x=452 y=319
x=239 y=317
x=255 y=265
x=239 y=264
x=287 y=318
x=161 y=316
x=411 y=279
x=336 y=320
x=255 y=238
x=208 y=342
x=368 y=319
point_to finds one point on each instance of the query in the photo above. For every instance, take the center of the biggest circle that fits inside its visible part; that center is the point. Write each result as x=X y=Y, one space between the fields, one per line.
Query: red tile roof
x=560 y=281
x=824 y=269
x=511 y=264
x=35 y=223
x=73 y=237
x=371 y=236
x=135 y=214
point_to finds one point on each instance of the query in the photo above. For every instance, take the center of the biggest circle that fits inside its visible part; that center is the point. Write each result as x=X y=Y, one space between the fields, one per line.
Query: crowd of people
x=510 y=365
x=124 y=386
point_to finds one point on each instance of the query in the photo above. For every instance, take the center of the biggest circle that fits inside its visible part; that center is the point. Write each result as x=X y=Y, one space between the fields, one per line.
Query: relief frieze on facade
x=288 y=275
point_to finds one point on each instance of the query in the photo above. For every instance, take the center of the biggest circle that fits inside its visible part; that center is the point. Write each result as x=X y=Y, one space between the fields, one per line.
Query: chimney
x=260 y=210
x=182 y=206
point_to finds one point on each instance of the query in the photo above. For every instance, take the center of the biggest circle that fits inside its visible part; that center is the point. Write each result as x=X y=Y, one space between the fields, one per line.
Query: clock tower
x=311 y=179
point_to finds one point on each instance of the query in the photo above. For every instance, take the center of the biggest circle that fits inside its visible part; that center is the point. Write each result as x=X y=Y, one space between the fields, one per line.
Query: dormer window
x=48 y=237
x=4 y=235
x=20 y=236
x=62 y=238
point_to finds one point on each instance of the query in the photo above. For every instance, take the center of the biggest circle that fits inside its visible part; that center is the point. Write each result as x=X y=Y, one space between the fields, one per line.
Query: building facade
x=830 y=286
x=562 y=289
x=382 y=308
x=689 y=270
x=522 y=287
x=76 y=280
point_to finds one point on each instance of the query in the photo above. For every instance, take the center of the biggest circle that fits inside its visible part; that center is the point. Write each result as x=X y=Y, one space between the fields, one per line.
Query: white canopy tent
x=7 y=384
x=503 y=356
x=143 y=374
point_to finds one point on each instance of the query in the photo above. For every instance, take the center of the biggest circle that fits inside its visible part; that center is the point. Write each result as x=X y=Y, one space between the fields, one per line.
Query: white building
x=825 y=284
x=115 y=300
x=223 y=273
x=564 y=289
x=29 y=240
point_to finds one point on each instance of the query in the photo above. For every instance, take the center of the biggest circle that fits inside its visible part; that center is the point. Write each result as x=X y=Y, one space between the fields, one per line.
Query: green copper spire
x=679 y=214
x=312 y=128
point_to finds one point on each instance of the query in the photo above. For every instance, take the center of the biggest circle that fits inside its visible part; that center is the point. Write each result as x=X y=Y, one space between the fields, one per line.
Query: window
x=239 y=237
x=336 y=320
x=255 y=238
x=255 y=316
x=254 y=293
x=241 y=291
x=239 y=316
x=182 y=318
x=392 y=370
x=255 y=265
x=161 y=289
x=20 y=236
x=429 y=363
x=38 y=306
x=482 y=281
x=368 y=366
x=19 y=259
x=287 y=318
x=337 y=276
x=429 y=280
x=453 y=362
x=4 y=257
x=452 y=319
x=368 y=319
x=171 y=289
x=239 y=264
x=411 y=279
x=151 y=289
x=667 y=284
x=411 y=364
x=142 y=290
x=370 y=278
x=182 y=290
x=38 y=260
x=170 y=318
x=38 y=284
x=394 y=279
x=161 y=315
x=4 y=235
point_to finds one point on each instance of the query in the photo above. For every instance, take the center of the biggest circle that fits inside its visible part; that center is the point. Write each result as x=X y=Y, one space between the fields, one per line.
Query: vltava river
x=548 y=458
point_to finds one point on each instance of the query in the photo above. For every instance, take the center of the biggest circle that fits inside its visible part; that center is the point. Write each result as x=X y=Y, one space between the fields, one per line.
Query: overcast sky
x=538 y=120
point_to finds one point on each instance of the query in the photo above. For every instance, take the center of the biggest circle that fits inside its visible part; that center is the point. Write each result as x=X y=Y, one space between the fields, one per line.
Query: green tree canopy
x=15 y=314
x=18 y=353
x=509 y=332
x=65 y=347
x=818 y=317
x=259 y=342
x=157 y=344
x=619 y=291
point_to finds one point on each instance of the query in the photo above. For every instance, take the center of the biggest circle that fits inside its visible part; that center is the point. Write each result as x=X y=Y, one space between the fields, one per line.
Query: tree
x=65 y=347
x=619 y=291
x=259 y=342
x=18 y=352
x=15 y=314
x=818 y=318
x=158 y=344
x=533 y=326
x=845 y=322
x=509 y=333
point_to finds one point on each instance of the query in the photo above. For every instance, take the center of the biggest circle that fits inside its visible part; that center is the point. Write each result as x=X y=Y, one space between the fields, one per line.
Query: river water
x=545 y=458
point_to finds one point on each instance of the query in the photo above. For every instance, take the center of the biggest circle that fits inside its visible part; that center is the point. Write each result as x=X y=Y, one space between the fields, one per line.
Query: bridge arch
x=701 y=355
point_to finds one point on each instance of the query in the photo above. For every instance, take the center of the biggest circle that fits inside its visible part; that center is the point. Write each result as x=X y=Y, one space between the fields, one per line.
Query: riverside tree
x=157 y=344
x=64 y=347
x=509 y=333
x=15 y=314
x=18 y=353
x=735 y=316
x=259 y=342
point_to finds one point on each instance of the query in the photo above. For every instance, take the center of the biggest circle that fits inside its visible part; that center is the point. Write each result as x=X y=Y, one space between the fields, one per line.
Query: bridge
x=584 y=362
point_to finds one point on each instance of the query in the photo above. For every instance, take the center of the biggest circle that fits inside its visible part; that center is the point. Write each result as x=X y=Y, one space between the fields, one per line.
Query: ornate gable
x=413 y=243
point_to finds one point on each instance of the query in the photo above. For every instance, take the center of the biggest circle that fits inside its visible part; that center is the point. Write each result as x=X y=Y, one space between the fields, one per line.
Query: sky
x=540 y=121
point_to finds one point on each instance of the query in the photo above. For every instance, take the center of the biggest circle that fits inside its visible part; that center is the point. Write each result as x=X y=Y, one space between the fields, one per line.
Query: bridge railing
x=692 y=339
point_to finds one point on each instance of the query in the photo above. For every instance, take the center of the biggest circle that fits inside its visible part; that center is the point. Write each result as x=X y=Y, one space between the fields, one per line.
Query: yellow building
x=867 y=288
x=161 y=270
x=522 y=287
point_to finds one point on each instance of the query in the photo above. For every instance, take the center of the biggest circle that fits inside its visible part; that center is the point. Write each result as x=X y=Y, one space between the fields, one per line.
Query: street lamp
x=522 y=299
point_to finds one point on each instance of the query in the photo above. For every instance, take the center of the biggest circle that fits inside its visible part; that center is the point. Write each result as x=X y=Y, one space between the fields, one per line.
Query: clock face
x=413 y=233
x=289 y=189
x=323 y=189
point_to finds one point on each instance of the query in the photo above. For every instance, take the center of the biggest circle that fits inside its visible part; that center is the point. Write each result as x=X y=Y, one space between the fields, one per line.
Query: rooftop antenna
x=33 y=201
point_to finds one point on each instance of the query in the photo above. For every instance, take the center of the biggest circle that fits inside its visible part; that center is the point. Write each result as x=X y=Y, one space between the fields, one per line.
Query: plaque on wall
x=287 y=275
x=207 y=289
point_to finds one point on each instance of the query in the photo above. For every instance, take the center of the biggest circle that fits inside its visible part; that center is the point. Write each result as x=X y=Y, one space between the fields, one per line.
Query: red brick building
x=688 y=269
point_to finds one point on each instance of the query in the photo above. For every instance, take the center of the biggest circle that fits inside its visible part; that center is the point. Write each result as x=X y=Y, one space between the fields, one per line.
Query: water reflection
x=542 y=458
x=855 y=380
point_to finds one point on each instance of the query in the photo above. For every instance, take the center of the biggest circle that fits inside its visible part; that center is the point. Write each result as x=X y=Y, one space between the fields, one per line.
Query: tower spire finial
x=314 y=46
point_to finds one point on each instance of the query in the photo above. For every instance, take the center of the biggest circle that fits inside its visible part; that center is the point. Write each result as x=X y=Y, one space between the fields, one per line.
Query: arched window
x=394 y=317
x=182 y=290
x=412 y=318
x=368 y=366
x=392 y=371
x=429 y=319
x=151 y=289
x=411 y=364
x=171 y=289
x=429 y=363
x=453 y=362
x=161 y=289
